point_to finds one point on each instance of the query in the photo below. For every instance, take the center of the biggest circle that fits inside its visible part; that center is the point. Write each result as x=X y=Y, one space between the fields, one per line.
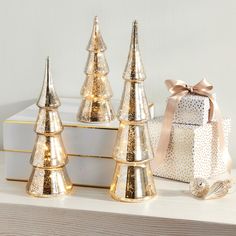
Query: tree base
x=132 y=183
x=95 y=111
x=49 y=182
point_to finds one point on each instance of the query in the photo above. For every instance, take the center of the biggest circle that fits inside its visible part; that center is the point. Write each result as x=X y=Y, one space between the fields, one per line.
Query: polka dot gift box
x=193 y=151
x=192 y=109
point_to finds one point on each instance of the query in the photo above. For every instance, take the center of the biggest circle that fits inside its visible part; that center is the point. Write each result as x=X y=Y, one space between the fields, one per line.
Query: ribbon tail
x=228 y=161
x=166 y=127
x=219 y=121
x=220 y=130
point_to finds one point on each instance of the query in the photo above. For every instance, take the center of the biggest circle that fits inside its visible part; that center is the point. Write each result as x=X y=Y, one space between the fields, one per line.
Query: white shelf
x=91 y=211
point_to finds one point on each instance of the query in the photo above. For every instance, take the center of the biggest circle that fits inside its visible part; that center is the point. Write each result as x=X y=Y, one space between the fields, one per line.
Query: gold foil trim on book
x=79 y=185
x=65 y=125
x=69 y=155
x=150 y=105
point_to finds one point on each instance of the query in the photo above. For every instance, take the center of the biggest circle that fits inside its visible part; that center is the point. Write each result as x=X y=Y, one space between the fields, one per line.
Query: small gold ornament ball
x=199 y=187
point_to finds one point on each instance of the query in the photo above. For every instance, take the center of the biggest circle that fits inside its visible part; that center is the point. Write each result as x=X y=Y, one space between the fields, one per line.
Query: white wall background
x=184 y=39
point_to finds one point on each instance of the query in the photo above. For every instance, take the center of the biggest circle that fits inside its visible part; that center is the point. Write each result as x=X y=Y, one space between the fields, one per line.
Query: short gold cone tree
x=133 y=179
x=49 y=176
x=96 y=91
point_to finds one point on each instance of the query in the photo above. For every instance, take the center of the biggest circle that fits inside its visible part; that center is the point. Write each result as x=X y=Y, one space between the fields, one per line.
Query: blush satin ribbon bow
x=178 y=89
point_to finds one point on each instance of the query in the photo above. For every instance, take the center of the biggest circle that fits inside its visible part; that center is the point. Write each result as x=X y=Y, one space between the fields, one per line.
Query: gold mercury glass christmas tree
x=133 y=179
x=49 y=176
x=96 y=91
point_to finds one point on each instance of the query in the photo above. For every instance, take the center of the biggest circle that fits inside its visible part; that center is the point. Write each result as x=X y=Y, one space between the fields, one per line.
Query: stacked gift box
x=194 y=148
x=89 y=145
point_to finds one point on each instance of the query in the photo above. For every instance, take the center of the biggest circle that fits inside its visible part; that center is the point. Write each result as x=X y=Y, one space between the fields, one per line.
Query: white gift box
x=89 y=145
x=193 y=110
x=193 y=151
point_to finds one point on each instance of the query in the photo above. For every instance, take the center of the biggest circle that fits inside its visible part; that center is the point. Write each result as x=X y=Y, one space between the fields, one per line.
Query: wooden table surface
x=91 y=211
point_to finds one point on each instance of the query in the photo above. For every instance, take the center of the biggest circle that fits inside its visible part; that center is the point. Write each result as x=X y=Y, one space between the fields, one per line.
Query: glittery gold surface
x=133 y=179
x=48 y=97
x=100 y=88
x=134 y=69
x=96 y=64
x=134 y=105
x=49 y=176
x=132 y=183
x=48 y=182
x=95 y=111
x=48 y=121
x=49 y=151
x=133 y=143
x=96 y=90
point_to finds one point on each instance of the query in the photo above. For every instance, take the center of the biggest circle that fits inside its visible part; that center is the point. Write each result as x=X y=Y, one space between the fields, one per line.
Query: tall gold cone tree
x=49 y=176
x=96 y=91
x=133 y=179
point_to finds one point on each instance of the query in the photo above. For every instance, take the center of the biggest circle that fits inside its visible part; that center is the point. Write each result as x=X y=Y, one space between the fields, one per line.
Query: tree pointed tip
x=135 y=23
x=96 y=25
x=134 y=35
x=96 y=19
x=47 y=68
x=134 y=68
x=135 y=28
x=47 y=62
x=48 y=96
x=96 y=42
